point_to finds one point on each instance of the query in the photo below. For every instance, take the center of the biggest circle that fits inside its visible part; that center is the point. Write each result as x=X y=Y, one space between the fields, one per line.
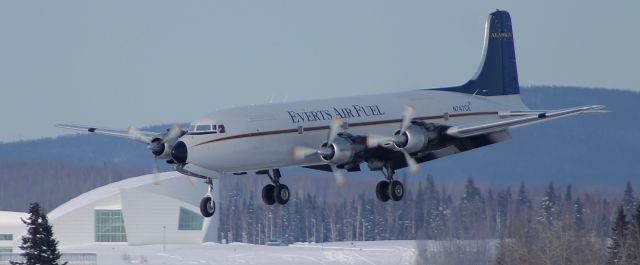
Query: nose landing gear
x=275 y=192
x=389 y=188
x=207 y=204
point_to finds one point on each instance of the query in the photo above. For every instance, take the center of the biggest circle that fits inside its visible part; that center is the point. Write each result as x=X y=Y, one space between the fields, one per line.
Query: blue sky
x=115 y=63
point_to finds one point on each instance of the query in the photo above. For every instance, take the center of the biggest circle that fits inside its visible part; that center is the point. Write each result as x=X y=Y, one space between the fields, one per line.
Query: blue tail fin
x=498 y=74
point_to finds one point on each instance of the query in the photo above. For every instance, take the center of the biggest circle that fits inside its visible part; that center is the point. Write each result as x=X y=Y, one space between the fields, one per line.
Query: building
x=138 y=211
x=10 y=230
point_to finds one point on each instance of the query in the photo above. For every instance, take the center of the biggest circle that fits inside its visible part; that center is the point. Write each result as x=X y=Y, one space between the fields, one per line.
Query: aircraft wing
x=521 y=119
x=130 y=133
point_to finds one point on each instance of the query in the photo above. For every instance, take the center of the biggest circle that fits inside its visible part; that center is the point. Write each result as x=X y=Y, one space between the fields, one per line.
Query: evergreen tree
x=434 y=216
x=39 y=245
x=578 y=220
x=548 y=205
x=628 y=199
x=418 y=210
x=617 y=244
x=472 y=210
x=634 y=237
x=568 y=198
x=523 y=203
x=604 y=224
x=492 y=213
x=446 y=203
x=502 y=212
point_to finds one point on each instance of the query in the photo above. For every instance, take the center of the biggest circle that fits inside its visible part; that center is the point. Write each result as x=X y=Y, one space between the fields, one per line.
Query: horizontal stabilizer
x=500 y=125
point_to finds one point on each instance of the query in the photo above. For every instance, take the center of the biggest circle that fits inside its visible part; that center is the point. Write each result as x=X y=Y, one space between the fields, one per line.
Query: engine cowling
x=413 y=139
x=340 y=151
x=159 y=149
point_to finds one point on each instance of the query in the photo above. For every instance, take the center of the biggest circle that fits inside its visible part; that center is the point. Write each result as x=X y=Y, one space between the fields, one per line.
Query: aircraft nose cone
x=179 y=153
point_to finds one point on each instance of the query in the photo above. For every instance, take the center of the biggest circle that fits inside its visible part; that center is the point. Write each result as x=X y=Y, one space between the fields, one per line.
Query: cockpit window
x=206 y=129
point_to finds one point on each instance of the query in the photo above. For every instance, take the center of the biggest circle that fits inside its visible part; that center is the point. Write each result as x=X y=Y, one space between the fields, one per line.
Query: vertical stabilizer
x=498 y=74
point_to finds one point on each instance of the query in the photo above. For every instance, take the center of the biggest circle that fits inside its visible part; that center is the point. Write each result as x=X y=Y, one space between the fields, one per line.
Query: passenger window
x=221 y=128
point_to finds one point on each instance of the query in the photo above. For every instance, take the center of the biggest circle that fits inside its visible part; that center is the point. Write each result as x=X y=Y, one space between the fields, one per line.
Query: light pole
x=164 y=231
x=259 y=233
x=270 y=227
x=314 y=230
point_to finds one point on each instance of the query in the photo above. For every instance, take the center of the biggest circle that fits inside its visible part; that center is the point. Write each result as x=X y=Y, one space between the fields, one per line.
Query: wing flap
x=520 y=120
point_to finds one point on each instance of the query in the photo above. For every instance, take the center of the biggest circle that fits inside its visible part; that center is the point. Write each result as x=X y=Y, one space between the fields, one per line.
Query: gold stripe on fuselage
x=355 y=124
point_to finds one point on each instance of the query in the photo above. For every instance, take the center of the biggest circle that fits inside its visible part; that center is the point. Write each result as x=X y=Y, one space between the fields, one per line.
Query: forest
x=479 y=226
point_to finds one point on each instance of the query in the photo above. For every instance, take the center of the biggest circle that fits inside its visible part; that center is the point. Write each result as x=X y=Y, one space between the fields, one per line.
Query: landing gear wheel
x=396 y=190
x=268 y=195
x=382 y=191
x=281 y=194
x=207 y=206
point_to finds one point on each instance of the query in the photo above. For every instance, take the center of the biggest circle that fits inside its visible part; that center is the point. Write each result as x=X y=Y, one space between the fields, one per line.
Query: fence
x=72 y=258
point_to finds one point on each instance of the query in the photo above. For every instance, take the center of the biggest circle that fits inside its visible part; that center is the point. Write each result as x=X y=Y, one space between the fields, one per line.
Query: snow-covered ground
x=370 y=252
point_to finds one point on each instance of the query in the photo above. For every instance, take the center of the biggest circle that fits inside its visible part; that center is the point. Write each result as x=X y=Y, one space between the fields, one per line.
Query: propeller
x=135 y=134
x=337 y=175
x=302 y=152
x=407 y=116
x=157 y=145
x=156 y=177
x=173 y=134
x=386 y=141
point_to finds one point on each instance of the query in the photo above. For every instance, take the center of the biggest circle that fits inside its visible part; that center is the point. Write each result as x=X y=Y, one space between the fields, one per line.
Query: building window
x=189 y=220
x=6 y=249
x=6 y=237
x=110 y=226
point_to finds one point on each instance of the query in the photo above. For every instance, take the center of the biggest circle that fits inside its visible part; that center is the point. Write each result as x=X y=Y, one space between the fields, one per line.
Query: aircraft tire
x=396 y=190
x=281 y=194
x=207 y=206
x=268 y=195
x=382 y=191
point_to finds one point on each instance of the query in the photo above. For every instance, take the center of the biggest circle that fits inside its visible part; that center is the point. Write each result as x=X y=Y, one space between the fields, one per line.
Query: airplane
x=386 y=132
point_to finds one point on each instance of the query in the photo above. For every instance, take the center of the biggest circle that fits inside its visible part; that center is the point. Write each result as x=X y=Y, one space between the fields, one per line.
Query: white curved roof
x=109 y=190
x=11 y=218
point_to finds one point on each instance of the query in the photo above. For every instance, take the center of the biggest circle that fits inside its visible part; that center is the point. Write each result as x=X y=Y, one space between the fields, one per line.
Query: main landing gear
x=275 y=192
x=389 y=188
x=207 y=204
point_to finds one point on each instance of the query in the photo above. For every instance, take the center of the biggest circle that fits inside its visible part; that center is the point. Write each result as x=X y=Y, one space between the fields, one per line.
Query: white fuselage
x=263 y=136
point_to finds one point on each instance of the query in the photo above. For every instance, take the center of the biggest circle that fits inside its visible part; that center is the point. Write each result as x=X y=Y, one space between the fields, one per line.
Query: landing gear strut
x=389 y=188
x=207 y=204
x=275 y=192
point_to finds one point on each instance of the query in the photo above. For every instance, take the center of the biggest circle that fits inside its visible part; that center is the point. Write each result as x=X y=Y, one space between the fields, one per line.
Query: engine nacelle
x=415 y=138
x=340 y=151
x=159 y=149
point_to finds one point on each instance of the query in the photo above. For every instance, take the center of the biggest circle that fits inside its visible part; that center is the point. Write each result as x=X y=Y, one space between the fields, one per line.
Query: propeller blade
x=156 y=178
x=374 y=141
x=413 y=165
x=407 y=116
x=337 y=174
x=173 y=134
x=133 y=132
x=302 y=152
x=334 y=129
x=190 y=179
